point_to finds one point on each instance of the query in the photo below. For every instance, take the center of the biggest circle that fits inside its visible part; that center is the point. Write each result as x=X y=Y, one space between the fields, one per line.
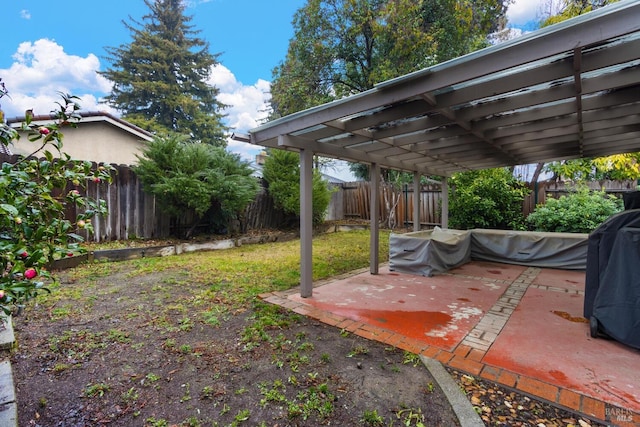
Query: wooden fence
x=135 y=214
x=396 y=204
x=132 y=213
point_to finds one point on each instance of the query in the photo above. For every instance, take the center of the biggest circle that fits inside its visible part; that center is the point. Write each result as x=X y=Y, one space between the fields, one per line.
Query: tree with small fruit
x=33 y=197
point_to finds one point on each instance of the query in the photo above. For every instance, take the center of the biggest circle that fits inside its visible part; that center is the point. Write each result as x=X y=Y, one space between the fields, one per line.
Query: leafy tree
x=342 y=47
x=614 y=167
x=33 y=228
x=200 y=178
x=490 y=198
x=462 y=26
x=160 y=78
x=580 y=212
x=282 y=172
x=573 y=8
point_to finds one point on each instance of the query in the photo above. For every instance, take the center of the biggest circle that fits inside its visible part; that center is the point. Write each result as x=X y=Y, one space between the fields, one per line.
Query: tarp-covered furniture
x=566 y=251
x=612 y=282
x=436 y=251
x=429 y=252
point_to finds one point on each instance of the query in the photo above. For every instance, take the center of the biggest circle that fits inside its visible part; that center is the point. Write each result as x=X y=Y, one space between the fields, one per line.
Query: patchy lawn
x=184 y=341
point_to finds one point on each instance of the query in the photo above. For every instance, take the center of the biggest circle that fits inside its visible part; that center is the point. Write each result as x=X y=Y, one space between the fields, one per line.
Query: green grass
x=260 y=267
x=202 y=290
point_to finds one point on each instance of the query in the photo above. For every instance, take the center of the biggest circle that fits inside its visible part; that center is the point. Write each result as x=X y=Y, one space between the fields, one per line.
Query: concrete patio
x=521 y=327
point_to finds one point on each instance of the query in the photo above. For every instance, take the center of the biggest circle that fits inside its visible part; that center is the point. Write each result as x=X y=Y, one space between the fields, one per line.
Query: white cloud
x=42 y=69
x=247 y=107
x=25 y=14
x=523 y=11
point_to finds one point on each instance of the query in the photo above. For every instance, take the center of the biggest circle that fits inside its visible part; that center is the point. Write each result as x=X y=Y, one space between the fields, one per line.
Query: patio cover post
x=416 y=201
x=374 y=175
x=306 y=223
x=444 y=219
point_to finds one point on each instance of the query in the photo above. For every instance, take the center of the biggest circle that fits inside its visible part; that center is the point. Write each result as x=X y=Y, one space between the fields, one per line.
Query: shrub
x=192 y=177
x=490 y=198
x=33 y=228
x=580 y=212
x=282 y=173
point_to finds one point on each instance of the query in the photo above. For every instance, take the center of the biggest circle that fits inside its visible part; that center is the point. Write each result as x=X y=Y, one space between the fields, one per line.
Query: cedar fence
x=396 y=204
x=135 y=214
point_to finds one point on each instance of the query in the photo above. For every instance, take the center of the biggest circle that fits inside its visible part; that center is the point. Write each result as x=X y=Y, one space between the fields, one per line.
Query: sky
x=50 y=47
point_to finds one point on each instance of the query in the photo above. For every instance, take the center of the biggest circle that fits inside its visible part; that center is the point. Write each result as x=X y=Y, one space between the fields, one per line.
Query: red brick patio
x=517 y=326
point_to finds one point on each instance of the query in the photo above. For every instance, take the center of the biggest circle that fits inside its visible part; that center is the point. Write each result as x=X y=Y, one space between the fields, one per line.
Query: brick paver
x=468 y=355
x=487 y=329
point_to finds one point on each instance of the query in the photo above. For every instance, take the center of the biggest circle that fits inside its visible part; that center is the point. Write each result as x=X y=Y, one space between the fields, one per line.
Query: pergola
x=567 y=91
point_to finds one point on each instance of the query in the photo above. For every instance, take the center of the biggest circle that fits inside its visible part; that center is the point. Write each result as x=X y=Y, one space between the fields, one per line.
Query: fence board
x=356 y=198
x=134 y=213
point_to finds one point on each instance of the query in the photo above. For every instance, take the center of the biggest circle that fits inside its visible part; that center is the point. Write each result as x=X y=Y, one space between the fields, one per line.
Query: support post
x=306 y=223
x=374 y=175
x=416 y=201
x=445 y=203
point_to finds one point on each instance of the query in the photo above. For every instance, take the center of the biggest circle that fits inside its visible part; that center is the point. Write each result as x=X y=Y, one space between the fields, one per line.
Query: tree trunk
x=191 y=229
x=536 y=174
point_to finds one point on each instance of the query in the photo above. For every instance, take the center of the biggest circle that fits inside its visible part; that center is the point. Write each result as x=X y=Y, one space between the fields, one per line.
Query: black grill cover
x=612 y=282
x=631 y=200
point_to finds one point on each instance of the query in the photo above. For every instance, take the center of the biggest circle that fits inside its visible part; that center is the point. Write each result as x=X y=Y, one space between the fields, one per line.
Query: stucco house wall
x=99 y=137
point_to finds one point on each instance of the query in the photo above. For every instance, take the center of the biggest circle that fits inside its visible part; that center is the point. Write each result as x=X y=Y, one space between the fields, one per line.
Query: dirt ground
x=128 y=344
x=110 y=359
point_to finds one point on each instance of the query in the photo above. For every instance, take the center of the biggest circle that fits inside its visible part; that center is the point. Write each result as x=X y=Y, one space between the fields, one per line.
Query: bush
x=33 y=228
x=579 y=212
x=193 y=177
x=282 y=173
x=490 y=198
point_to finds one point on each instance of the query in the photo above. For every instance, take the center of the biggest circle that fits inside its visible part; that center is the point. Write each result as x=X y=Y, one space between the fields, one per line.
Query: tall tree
x=571 y=8
x=160 y=78
x=342 y=47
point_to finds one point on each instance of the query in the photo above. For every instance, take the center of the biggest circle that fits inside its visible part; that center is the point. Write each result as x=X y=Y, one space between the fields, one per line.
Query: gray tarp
x=566 y=251
x=436 y=251
x=429 y=252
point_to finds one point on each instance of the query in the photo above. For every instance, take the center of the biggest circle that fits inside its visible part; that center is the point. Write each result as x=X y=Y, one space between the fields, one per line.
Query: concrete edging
x=8 y=403
x=467 y=416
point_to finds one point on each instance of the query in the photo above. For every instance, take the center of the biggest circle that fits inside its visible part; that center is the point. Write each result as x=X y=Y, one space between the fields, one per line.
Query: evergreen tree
x=160 y=78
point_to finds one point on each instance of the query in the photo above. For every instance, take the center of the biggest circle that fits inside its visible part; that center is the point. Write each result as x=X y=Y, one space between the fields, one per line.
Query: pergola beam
x=566 y=91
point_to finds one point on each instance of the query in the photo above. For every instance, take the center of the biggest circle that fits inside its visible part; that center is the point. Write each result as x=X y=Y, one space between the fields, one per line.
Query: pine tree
x=159 y=80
